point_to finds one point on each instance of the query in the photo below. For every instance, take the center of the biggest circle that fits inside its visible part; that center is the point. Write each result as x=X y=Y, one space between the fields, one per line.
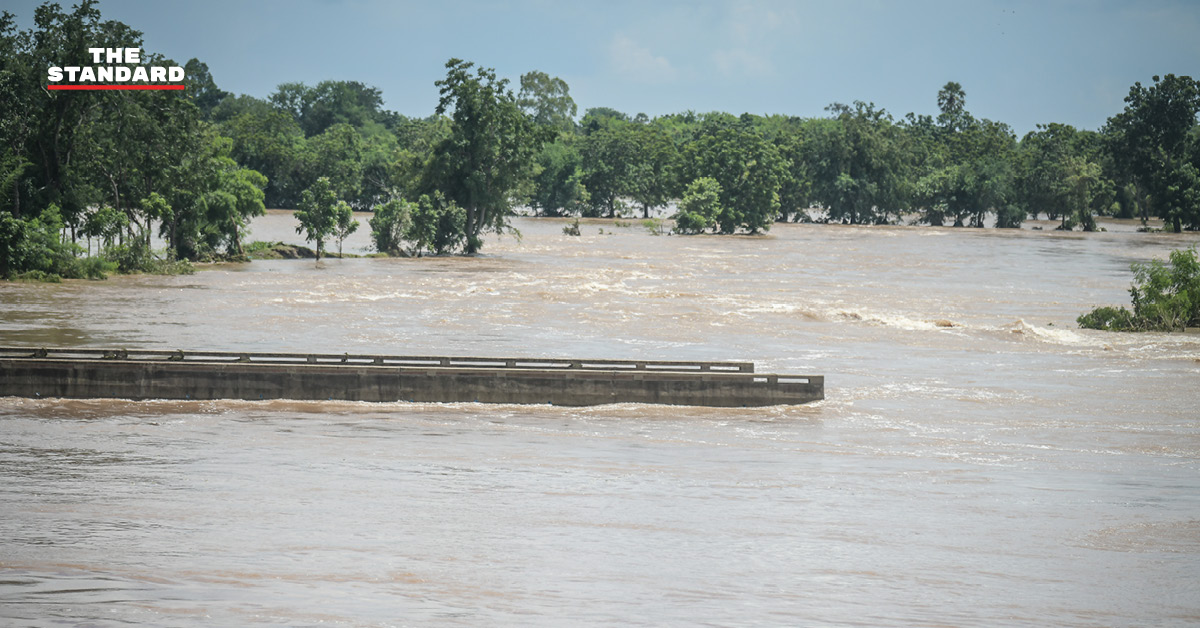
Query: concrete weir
x=210 y=375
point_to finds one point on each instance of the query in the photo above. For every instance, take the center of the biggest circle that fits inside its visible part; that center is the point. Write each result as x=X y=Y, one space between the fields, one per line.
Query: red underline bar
x=111 y=86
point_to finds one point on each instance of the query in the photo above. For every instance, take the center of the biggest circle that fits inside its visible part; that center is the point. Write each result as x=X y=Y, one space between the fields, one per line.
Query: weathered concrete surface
x=165 y=379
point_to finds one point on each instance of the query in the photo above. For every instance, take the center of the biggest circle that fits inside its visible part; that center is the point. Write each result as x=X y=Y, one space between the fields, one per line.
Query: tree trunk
x=471 y=229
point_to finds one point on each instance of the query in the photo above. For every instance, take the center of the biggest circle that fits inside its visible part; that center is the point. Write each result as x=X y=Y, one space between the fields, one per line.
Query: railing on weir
x=209 y=357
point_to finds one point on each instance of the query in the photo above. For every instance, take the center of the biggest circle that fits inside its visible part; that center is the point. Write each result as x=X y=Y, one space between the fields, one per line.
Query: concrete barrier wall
x=165 y=379
x=376 y=359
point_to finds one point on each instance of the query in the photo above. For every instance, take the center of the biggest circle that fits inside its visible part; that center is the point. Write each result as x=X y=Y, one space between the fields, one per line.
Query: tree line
x=107 y=168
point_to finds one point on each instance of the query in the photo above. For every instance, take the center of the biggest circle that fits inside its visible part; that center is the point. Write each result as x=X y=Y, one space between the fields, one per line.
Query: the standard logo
x=115 y=76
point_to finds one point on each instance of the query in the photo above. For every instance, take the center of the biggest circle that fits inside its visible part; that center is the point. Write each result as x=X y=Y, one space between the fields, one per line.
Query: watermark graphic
x=107 y=77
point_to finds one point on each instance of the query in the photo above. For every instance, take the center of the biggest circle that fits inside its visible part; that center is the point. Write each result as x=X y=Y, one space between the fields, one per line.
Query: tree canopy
x=111 y=168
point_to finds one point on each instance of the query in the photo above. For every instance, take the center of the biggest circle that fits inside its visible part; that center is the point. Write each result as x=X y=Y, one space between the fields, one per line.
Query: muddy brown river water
x=978 y=461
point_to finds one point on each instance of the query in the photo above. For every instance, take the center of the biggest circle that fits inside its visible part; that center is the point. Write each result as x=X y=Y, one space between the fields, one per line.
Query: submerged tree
x=700 y=207
x=344 y=223
x=1166 y=297
x=438 y=225
x=489 y=152
x=390 y=224
x=749 y=171
x=1155 y=139
x=317 y=213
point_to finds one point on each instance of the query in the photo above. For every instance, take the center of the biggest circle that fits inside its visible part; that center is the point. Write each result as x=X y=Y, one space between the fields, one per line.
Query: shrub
x=438 y=225
x=1108 y=319
x=700 y=207
x=129 y=258
x=1166 y=297
x=655 y=226
x=36 y=245
x=389 y=224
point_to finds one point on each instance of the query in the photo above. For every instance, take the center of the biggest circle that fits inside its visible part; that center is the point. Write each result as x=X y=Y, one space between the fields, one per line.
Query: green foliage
x=1060 y=174
x=963 y=167
x=608 y=156
x=258 y=246
x=201 y=87
x=700 y=207
x=330 y=103
x=598 y=118
x=547 y=100
x=389 y=225
x=128 y=258
x=1166 y=297
x=1154 y=141
x=489 y=153
x=952 y=103
x=653 y=171
x=136 y=257
x=237 y=198
x=438 y=226
x=317 y=215
x=858 y=164
x=337 y=154
x=35 y=245
x=572 y=228
x=33 y=250
x=96 y=268
x=655 y=226
x=106 y=224
x=345 y=224
x=748 y=171
x=278 y=250
x=558 y=187
x=268 y=141
x=1109 y=319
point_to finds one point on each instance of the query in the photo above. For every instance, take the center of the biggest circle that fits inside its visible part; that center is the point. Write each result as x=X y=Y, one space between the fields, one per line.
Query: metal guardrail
x=148 y=355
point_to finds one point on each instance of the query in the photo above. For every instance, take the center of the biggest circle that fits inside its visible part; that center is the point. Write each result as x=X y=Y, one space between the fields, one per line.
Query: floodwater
x=978 y=461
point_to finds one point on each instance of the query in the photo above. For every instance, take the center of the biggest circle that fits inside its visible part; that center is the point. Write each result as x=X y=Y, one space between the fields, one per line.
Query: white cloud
x=636 y=62
x=750 y=31
x=742 y=62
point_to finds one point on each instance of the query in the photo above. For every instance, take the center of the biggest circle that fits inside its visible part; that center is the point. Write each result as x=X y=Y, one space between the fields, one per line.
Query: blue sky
x=1020 y=62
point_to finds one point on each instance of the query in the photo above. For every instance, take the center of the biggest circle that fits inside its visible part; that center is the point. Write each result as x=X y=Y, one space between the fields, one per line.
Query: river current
x=978 y=460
